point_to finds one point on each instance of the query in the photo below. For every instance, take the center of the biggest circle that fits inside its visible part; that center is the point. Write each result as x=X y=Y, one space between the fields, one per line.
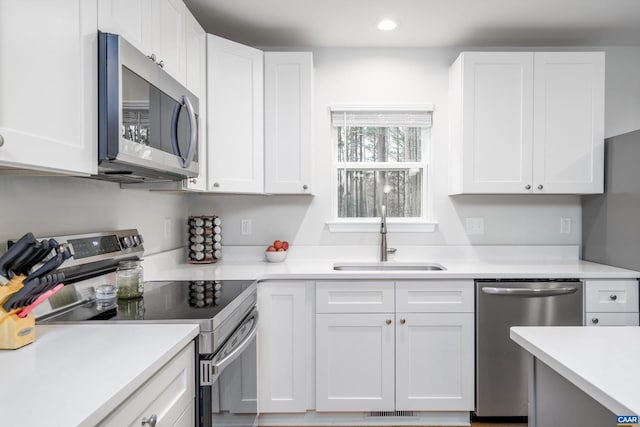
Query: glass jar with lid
x=129 y=279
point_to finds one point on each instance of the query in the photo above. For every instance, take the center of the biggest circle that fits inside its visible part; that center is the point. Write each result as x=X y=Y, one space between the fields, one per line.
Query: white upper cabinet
x=235 y=117
x=288 y=80
x=524 y=122
x=155 y=27
x=129 y=18
x=568 y=129
x=168 y=30
x=196 y=72
x=48 y=85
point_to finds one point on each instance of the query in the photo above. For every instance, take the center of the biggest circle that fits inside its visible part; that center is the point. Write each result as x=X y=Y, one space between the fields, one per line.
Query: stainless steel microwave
x=147 y=121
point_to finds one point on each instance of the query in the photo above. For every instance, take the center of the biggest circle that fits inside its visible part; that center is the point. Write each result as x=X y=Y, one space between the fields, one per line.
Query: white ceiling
x=422 y=23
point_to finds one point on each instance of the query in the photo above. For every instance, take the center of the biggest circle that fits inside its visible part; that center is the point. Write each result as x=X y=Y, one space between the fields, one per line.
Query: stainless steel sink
x=388 y=266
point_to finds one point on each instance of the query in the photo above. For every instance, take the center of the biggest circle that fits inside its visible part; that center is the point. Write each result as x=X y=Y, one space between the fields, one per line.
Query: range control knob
x=136 y=240
x=126 y=242
x=140 y=238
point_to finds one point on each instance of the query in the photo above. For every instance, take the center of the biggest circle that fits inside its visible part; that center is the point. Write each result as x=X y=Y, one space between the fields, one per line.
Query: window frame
x=424 y=223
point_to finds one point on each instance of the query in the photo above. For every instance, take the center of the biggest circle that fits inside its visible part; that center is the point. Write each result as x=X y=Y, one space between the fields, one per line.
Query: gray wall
x=61 y=205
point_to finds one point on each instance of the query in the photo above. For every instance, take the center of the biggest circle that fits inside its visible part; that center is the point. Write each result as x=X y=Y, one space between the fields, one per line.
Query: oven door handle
x=219 y=365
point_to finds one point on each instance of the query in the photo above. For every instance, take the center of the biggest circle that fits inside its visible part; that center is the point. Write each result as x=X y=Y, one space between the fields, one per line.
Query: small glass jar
x=129 y=279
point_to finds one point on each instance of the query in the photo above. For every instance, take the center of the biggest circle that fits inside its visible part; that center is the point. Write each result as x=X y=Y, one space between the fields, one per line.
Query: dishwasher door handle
x=529 y=292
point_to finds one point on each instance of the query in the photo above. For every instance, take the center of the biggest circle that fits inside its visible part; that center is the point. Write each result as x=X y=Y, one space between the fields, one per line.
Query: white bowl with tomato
x=277 y=251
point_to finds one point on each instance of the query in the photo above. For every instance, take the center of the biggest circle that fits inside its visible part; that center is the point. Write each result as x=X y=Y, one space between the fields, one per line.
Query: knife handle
x=14 y=252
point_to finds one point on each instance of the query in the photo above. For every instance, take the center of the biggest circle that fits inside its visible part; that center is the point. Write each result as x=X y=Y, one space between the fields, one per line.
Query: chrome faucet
x=384 y=251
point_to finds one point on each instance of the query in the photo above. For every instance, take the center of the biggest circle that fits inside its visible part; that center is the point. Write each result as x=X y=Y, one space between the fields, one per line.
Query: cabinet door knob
x=193 y=180
x=595 y=320
x=152 y=57
x=151 y=421
x=216 y=184
x=388 y=321
x=403 y=321
x=527 y=187
x=613 y=297
x=161 y=64
x=305 y=187
x=540 y=187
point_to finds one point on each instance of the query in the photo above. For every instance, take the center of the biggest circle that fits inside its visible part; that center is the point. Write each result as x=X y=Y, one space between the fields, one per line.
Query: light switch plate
x=475 y=225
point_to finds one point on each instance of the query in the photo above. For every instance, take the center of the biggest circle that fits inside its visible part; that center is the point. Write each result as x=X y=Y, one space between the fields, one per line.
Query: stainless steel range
x=225 y=310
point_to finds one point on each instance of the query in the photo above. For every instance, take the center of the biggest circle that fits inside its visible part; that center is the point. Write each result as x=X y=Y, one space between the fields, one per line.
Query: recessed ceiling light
x=387 y=25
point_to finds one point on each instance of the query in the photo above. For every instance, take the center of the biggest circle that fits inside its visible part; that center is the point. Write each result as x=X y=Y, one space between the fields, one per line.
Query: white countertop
x=603 y=361
x=164 y=267
x=75 y=375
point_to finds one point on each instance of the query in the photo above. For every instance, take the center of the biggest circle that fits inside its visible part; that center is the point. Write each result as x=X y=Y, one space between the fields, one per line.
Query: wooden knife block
x=14 y=331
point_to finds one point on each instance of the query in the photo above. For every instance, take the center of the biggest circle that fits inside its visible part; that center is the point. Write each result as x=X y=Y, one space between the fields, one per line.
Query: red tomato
x=271 y=249
x=285 y=245
x=280 y=250
x=277 y=244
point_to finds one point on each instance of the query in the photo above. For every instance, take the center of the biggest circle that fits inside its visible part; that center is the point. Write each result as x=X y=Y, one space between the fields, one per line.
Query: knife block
x=14 y=331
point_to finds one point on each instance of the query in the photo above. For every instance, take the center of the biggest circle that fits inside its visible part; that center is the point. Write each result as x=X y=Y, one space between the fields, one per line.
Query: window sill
x=373 y=226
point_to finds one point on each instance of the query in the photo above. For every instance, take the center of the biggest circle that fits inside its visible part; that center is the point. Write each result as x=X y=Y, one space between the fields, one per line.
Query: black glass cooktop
x=166 y=301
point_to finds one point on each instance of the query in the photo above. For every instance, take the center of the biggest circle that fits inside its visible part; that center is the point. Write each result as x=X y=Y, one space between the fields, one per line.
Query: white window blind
x=418 y=119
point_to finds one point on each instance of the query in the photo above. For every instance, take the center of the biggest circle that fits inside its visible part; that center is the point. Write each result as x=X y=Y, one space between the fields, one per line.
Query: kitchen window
x=380 y=157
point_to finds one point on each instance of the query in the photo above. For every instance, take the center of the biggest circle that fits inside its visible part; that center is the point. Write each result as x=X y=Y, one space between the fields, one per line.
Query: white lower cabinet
x=417 y=359
x=434 y=361
x=355 y=362
x=285 y=346
x=611 y=302
x=168 y=397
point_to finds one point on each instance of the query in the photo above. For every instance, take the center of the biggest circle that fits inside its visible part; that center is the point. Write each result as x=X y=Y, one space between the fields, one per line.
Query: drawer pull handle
x=403 y=321
x=388 y=321
x=595 y=320
x=151 y=421
x=613 y=297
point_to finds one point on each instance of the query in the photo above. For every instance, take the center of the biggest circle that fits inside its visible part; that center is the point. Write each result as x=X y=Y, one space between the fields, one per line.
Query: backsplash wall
x=66 y=205
x=389 y=76
x=416 y=75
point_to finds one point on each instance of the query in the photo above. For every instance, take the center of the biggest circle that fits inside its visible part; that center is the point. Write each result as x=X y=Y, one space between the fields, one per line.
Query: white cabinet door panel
x=569 y=122
x=354 y=362
x=282 y=349
x=48 y=82
x=168 y=28
x=434 y=361
x=497 y=121
x=235 y=125
x=435 y=296
x=196 y=56
x=288 y=117
x=355 y=296
x=129 y=18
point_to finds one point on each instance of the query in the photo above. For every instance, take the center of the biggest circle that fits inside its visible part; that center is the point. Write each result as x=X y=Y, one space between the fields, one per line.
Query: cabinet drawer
x=434 y=296
x=167 y=394
x=611 y=296
x=354 y=297
x=612 y=319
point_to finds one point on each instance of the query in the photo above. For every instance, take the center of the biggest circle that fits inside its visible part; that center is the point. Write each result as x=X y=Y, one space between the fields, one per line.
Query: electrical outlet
x=565 y=225
x=475 y=225
x=245 y=227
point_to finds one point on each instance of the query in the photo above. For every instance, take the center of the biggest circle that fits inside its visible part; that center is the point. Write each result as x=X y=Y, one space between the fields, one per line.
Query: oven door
x=233 y=395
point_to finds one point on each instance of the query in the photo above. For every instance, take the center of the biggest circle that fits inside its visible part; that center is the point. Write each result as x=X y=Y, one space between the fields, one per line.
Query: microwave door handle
x=193 y=143
x=174 y=132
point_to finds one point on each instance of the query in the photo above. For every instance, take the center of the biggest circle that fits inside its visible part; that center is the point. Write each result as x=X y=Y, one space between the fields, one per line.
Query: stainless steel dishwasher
x=501 y=370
